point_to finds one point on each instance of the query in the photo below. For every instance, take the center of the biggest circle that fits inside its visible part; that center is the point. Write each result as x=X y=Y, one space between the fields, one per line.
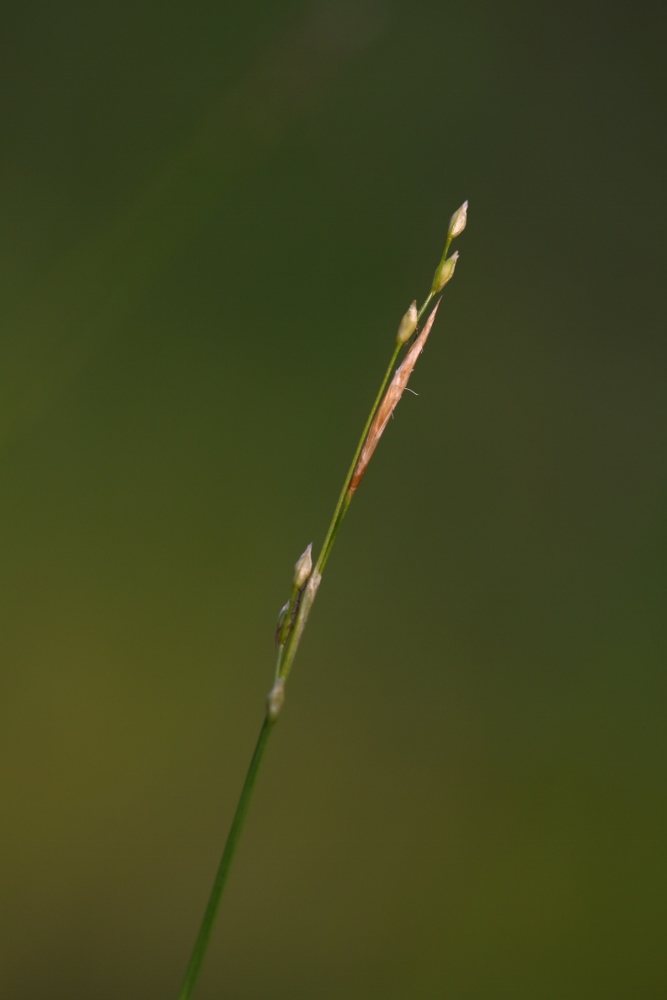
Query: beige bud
x=408 y=325
x=275 y=700
x=303 y=567
x=444 y=273
x=458 y=221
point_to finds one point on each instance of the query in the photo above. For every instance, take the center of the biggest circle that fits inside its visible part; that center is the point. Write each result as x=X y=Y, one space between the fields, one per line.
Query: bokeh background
x=212 y=217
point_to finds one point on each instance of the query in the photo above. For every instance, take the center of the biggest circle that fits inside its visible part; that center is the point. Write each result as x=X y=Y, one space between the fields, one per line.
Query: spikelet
x=389 y=404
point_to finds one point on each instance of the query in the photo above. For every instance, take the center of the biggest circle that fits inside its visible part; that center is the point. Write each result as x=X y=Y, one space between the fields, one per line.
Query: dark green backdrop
x=212 y=217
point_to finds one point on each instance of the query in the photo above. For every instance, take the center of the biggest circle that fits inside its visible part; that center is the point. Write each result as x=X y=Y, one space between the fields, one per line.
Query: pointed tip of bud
x=303 y=567
x=458 y=221
x=408 y=325
x=444 y=273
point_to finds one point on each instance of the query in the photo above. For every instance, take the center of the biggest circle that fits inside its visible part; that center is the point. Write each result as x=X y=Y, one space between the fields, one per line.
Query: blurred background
x=212 y=218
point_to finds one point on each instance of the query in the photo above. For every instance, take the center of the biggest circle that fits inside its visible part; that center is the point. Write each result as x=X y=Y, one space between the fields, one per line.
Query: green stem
x=444 y=257
x=201 y=944
x=427 y=303
x=286 y=653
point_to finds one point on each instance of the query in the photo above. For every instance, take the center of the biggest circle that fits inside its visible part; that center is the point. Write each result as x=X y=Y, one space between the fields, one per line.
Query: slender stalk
x=201 y=944
x=286 y=654
x=289 y=636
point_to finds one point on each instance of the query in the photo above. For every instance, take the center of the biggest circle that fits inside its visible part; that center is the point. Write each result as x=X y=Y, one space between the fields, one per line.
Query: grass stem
x=201 y=944
x=289 y=635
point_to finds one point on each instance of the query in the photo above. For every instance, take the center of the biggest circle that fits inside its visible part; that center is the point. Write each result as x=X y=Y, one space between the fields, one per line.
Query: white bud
x=458 y=221
x=408 y=325
x=303 y=567
x=275 y=700
x=444 y=273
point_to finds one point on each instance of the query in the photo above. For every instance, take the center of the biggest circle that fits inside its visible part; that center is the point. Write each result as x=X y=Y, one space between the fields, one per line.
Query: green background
x=212 y=217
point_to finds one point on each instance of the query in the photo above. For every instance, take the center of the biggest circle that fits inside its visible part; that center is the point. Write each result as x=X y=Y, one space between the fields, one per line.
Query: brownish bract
x=389 y=403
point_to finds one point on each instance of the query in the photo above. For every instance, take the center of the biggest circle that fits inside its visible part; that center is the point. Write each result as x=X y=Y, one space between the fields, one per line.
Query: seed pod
x=303 y=567
x=444 y=273
x=458 y=221
x=408 y=325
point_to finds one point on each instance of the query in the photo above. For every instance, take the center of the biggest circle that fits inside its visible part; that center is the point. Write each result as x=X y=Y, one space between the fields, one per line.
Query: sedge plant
x=308 y=575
